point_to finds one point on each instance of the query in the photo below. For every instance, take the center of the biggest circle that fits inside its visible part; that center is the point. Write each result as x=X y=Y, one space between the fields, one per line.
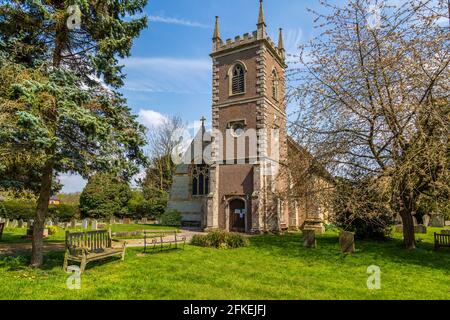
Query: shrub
x=19 y=209
x=171 y=218
x=359 y=207
x=52 y=229
x=65 y=212
x=220 y=240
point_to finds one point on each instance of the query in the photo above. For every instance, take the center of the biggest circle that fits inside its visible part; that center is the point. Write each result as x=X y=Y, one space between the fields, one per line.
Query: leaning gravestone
x=437 y=221
x=85 y=224
x=20 y=223
x=309 y=238
x=94 y=225
x=347 y=242
x=426 y=220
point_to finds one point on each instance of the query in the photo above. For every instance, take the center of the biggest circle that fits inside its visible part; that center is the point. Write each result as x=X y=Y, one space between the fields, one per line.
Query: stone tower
x=248 y=138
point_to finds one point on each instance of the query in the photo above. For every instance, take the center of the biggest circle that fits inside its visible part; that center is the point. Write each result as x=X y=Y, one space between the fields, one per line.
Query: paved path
x=16 y=248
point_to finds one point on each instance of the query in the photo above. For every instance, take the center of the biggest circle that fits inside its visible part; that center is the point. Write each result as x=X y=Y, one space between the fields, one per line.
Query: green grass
x=272 y=267
x=15 y=235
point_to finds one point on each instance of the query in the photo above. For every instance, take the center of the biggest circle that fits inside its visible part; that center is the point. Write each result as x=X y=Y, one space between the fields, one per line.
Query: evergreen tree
x=61 y=63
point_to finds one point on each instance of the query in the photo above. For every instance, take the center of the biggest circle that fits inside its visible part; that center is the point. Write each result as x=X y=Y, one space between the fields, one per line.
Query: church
x=234 y=176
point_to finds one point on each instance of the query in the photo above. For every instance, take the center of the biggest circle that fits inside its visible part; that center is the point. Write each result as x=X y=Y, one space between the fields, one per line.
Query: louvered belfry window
x=238 y=81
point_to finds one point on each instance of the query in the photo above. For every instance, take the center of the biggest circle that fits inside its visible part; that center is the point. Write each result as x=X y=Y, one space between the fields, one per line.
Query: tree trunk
x=41 y=213
x=408 y=228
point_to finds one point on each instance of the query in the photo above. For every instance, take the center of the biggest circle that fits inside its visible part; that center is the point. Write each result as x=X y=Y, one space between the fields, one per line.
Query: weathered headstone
x=73 y=223
x=112 y=221
x=309 y=238
x=49 y=223
x=30 y=223
x=420 y=228
x=414 y=220
x=6 y=223
x=120 y=221
x=14 y=223
x=447 y=223
x=347 y=242
x=85 y=224
x=144 y=220
x=94 y=225
x=426 y=220
x=437 y=221
x=126 y=221
x=20 y=223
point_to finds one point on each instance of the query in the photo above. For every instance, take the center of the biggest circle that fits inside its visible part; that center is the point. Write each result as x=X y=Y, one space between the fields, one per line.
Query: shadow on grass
x=367 y=251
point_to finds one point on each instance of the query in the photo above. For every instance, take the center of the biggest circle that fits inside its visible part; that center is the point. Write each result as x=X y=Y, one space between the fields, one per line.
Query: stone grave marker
x=414 y=220
x=309 y=238
x=85 y=223
x=437 y=221
x=426 y=220
x=94 y=224
x=447 y=223
x=420 y=228
x=347 y=242
x=14 y=223
x=73 y=223
x=49 y=223
x=126 y=221
x=144 y=221
x=6 y=222
x=20 y=223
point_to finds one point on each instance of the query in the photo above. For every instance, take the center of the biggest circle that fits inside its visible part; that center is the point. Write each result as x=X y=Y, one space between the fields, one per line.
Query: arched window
x=200 y=180
x=238 y=80
x=274 y=85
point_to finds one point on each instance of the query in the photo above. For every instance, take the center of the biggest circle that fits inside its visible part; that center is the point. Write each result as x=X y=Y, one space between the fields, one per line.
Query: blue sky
x=169 y=71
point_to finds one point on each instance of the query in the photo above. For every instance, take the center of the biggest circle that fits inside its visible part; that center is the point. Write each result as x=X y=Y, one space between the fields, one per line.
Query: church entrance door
x=238 y=215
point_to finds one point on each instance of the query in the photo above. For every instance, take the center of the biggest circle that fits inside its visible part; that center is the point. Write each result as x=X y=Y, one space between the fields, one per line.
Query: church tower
x=248 y=139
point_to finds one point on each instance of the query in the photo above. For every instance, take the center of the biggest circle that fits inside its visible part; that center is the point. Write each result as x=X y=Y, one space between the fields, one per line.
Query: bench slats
x=441 y=240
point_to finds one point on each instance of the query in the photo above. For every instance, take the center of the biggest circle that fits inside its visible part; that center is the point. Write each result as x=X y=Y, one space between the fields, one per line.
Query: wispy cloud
x=177 y=21
x=169 y=75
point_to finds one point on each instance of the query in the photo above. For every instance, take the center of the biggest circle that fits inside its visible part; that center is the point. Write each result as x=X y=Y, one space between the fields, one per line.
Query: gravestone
x=120 y=221
x=398 y=219
x=6 y=222
x=347 y=242
x=144 y=221
x=30 y=223
x=73 y=223
x=437 y=221
x=25 y=225
x=426 y=220
x=94 y=225
x=447 y=223
x=414 y=220
x=126 y=221
x=49 y=223
x=20 y=223
x=85 y=224
x=14 y=223
x=309 y=238
x=420 y=228
x=112 y=221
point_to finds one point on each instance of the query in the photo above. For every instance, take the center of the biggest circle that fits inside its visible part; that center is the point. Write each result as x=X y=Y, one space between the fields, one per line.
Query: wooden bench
x=2 y=226
x=441 y=240
x=90 y=246
x=162 y=239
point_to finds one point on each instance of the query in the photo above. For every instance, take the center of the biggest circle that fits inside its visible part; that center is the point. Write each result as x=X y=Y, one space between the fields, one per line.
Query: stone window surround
x=230 y=79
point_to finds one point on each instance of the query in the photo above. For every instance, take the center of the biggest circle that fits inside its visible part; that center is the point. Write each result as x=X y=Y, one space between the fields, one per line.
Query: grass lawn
x=15 y=235
x=272 y=267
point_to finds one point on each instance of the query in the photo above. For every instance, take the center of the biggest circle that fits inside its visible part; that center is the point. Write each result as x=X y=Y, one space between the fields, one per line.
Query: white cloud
x=177 y=21
x=72 y=183
x=173 y=75
x=151 y=118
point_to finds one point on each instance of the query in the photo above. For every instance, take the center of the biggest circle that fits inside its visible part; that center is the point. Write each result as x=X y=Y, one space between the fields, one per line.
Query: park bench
x=441 y=240
x=162 y=239
x=2 y=226
x=90 y=246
